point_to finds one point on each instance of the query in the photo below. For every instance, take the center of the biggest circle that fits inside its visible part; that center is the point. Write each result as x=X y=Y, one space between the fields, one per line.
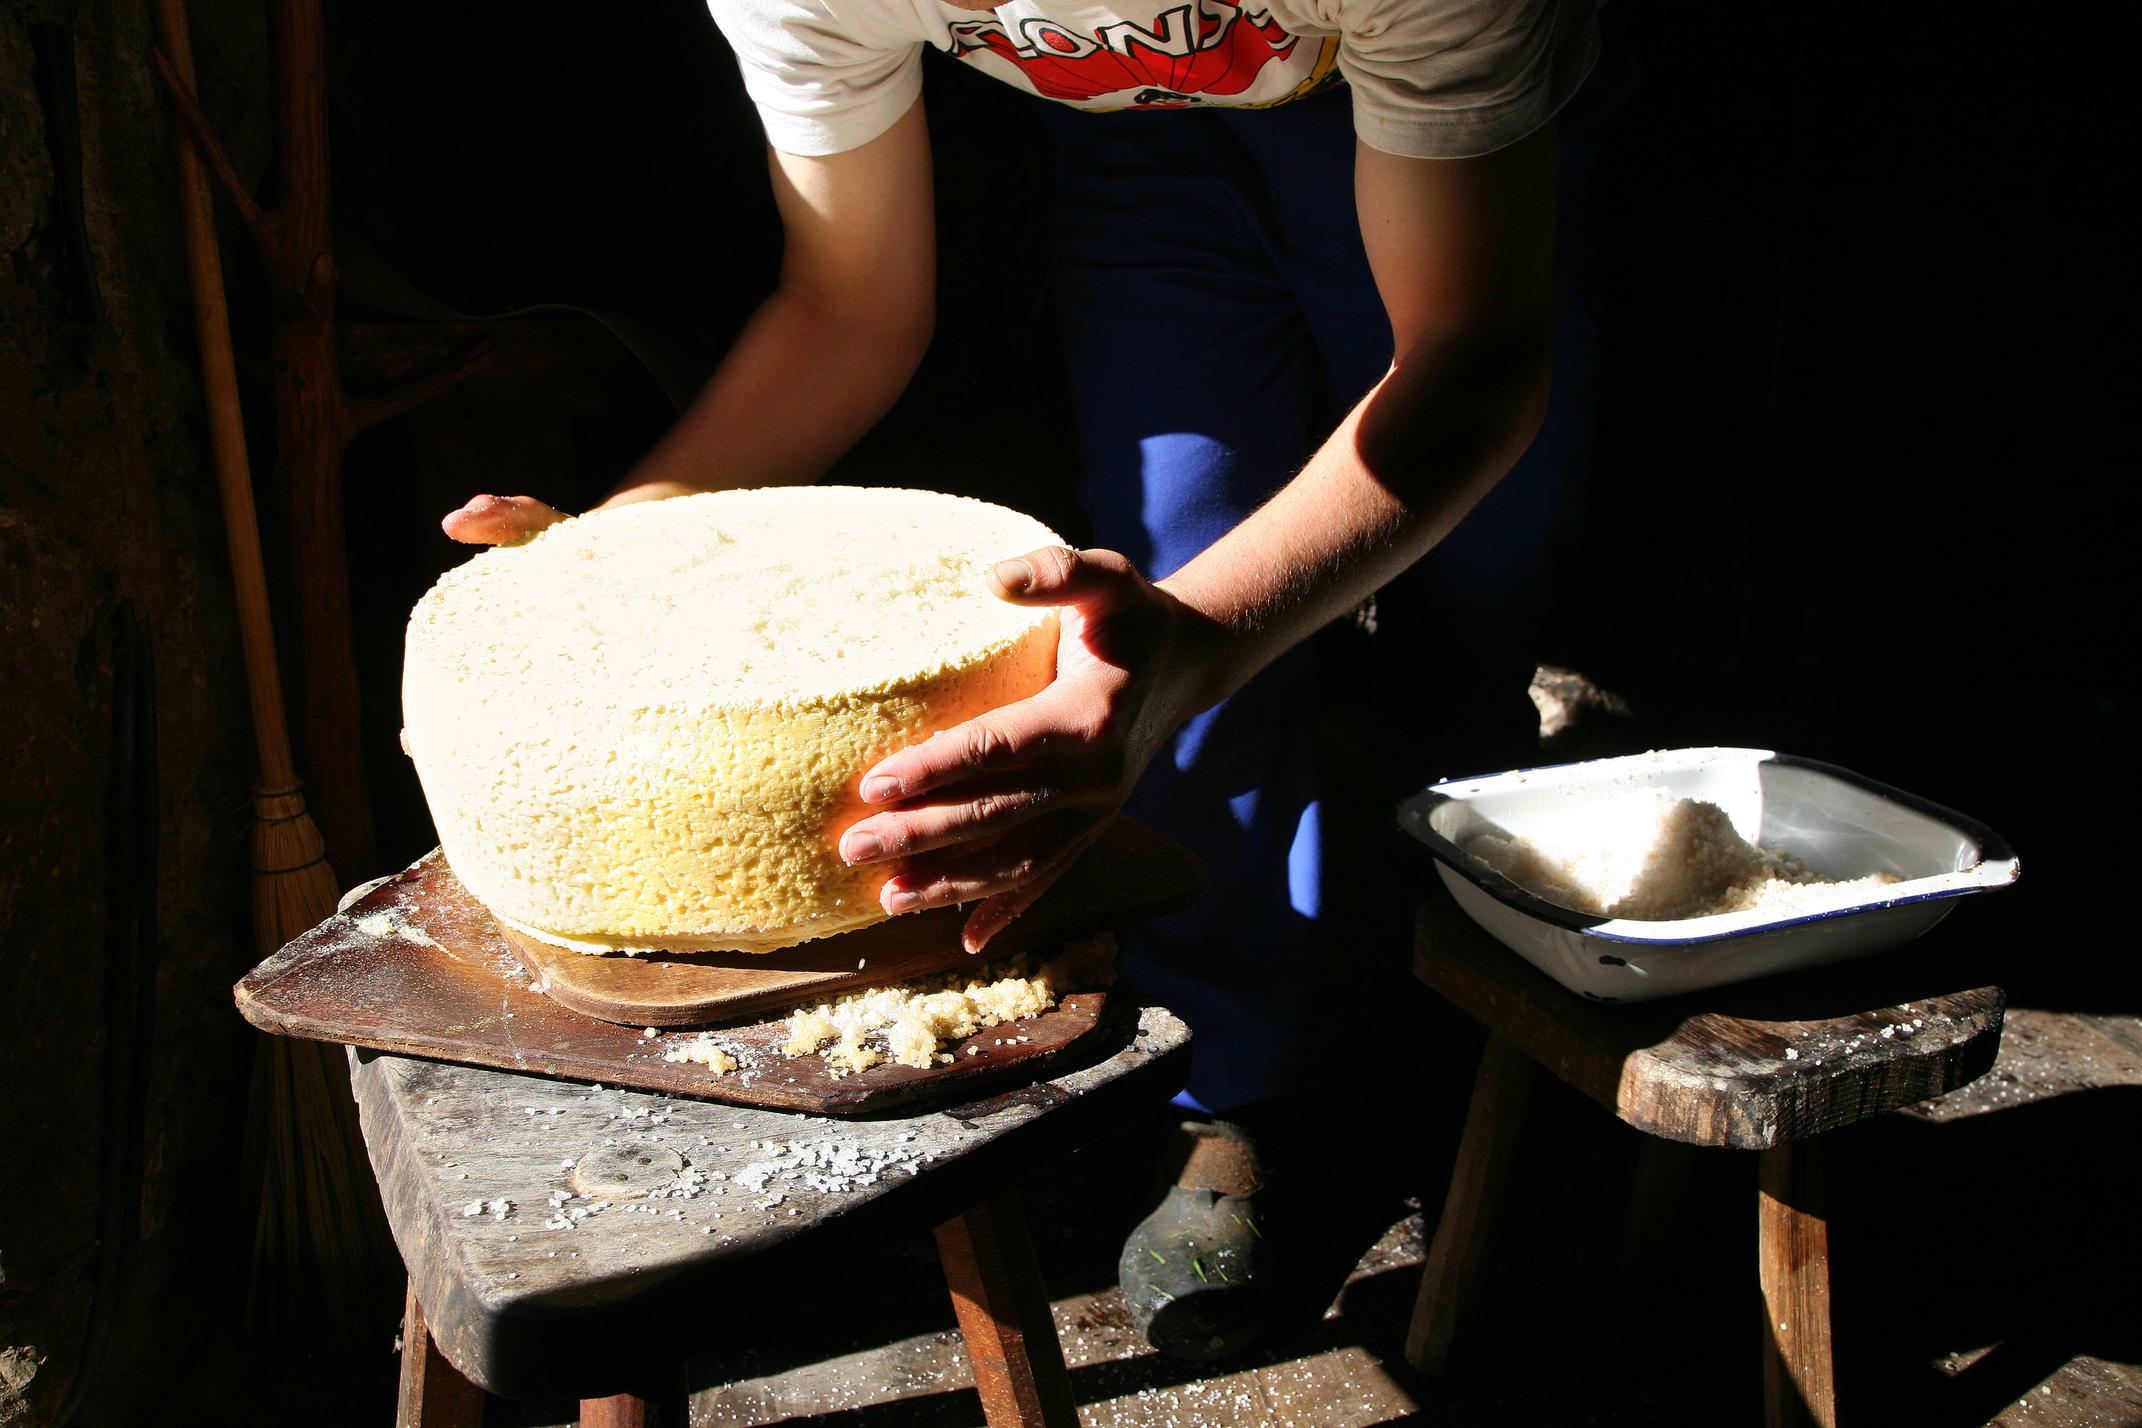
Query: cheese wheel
x=645 y=727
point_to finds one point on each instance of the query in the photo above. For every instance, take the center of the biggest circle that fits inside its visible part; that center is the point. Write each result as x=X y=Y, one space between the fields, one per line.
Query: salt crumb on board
x=379 y=924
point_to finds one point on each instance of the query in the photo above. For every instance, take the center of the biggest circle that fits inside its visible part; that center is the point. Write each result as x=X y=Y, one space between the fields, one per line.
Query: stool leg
x=1794 y=1244
x=1502 y=1090
x=663 y=1401
x=433 y=1392
x=1663 y=1170
x=1004 y=1316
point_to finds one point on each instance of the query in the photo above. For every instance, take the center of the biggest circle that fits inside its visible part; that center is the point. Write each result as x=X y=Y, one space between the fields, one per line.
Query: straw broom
x=316 y=414
x=320 y=1235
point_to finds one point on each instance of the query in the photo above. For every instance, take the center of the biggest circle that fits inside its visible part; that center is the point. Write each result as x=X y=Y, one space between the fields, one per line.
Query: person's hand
x=998 y=807
x=499 y=520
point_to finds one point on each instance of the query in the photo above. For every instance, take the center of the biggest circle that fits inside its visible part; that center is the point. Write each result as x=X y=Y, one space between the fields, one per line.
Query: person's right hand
x=499 y=520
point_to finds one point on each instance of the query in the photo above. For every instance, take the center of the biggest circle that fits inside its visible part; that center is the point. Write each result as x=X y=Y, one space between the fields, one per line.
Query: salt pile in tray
x=1648 y=856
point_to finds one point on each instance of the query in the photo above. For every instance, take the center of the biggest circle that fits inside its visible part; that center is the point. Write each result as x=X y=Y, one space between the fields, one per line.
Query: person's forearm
x=802 y=383
x=1403 y=468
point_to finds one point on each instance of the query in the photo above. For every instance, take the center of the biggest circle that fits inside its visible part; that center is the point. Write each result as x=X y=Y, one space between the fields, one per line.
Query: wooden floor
x=1120 y=1383
x=2046 y=1056
x=2022 y=1169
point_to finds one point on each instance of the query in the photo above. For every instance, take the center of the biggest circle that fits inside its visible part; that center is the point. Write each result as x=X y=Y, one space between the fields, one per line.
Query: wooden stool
x=1769 y=1067
x=565 y=1240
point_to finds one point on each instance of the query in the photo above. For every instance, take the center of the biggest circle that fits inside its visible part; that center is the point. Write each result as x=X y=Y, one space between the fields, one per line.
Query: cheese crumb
x=915 y=1020
x=704 y=1051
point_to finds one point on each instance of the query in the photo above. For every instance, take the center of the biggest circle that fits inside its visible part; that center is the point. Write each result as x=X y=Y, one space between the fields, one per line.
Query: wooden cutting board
x=1132 y=874
x=418 y=967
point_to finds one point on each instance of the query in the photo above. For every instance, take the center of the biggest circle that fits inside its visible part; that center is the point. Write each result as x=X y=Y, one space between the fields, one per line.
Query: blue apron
x=1218 y=318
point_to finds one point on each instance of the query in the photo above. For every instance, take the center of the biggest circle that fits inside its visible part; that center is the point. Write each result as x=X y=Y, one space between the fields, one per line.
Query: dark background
x=1857 y=491
x=1861 y=493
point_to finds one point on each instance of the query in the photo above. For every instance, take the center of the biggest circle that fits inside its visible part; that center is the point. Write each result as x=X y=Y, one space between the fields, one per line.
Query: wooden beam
x=180 y=91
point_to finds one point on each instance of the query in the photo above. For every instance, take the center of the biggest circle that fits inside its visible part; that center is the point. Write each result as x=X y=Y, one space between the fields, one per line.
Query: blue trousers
x=1218 y=318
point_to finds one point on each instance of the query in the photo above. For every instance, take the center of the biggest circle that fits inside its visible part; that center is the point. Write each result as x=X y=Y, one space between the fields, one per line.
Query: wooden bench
x=565 y=1240
x=1768 y=1066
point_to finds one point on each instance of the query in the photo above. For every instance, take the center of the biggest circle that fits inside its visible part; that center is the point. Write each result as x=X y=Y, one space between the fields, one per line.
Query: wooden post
x=1793 y=1245
x=315 y=416
x=1004 y=1316
x=1502 y=1091
x=433 y=1392
x=312 y=427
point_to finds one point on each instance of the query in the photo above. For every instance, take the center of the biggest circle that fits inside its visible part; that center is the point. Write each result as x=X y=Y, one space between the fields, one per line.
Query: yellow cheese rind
x=645 y=727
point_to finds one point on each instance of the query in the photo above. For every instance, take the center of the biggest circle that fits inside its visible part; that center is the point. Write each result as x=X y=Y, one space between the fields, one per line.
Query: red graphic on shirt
x=1201 y=47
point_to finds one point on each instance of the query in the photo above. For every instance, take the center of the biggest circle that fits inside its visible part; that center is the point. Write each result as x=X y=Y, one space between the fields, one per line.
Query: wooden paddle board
x=419 y=967
x=1130 y=875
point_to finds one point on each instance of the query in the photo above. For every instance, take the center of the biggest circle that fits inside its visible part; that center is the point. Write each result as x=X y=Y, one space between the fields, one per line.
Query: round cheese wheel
x=645 y=727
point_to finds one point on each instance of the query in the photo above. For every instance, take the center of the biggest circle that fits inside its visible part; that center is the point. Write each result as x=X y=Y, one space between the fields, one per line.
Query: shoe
x=1193 y=1272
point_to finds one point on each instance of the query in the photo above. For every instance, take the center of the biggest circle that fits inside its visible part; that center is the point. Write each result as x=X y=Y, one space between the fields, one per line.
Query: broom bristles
x=320 y=1242
x=294 y=888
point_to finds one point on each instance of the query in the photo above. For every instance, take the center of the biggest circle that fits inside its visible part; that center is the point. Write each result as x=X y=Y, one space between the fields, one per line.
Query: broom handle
x=226 y=426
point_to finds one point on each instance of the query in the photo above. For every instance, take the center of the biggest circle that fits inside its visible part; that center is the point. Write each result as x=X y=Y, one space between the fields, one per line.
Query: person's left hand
x=499 y=520
x=998 y=807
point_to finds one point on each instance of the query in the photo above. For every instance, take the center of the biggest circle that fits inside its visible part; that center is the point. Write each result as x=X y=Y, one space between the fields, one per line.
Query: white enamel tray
x=1838 y=823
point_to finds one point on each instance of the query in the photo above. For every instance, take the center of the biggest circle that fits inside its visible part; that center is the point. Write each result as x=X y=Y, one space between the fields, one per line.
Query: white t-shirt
x=1430 y=78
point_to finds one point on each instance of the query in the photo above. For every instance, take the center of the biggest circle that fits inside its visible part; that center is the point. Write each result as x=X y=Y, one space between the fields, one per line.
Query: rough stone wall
x=106 y=496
